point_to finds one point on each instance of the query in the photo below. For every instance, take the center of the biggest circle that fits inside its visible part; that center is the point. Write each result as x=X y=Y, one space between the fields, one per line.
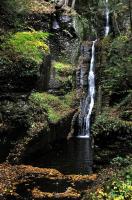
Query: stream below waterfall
x=69 y=157
x=74 y=158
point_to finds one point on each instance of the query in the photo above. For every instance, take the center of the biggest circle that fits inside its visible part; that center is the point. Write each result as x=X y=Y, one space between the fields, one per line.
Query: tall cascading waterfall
x=87 y=104
x=91 y=92
x=107 y=15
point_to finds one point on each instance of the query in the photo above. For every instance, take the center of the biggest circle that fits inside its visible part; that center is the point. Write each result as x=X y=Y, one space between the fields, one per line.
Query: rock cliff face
x=52 y=70
x=28 y=75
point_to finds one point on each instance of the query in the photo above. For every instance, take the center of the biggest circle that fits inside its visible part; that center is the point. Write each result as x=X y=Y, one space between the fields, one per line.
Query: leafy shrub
x=118 y=69
x=119 y=42
x=121 y=162
x=118 y=188
x=106 y=125
x=71 y=98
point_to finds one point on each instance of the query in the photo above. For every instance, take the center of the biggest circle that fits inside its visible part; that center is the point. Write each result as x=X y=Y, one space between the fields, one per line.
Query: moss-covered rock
x=61 y=78
x=22 y=55
x=24 y=120
x=55 y=107
x=28 y=45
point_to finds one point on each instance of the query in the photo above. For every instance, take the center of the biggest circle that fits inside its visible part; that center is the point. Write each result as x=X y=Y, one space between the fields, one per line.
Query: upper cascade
x=66 y=2
x=107 y=15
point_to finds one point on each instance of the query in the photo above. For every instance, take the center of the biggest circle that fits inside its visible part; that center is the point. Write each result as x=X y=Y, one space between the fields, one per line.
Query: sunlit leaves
x=28 y=45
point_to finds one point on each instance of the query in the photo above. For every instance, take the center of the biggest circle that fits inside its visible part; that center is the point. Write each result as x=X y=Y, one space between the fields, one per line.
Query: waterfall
x=91 y=92
x=55 y=25
x=107 y=13
x=66 y=2
x=73 y=3
x=87 y=105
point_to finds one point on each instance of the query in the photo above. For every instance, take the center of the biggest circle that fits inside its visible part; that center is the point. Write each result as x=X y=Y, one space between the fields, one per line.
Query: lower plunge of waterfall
x=73 y=156
x=87 y=104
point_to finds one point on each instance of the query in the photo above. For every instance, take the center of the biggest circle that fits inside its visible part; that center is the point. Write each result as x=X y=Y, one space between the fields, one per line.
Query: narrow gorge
x=65 y=99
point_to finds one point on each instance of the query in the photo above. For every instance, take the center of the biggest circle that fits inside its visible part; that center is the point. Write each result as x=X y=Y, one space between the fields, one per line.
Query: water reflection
x=70 y=157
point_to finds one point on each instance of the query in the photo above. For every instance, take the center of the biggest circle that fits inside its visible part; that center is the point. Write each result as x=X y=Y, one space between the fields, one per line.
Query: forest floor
x=22 y=181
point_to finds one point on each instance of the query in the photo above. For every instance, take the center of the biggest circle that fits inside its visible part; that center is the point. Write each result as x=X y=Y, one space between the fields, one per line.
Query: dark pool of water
x=45 y=185
x=69 y=157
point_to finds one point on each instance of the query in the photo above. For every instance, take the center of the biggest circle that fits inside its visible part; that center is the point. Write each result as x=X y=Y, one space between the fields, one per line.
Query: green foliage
x=118 y=69
x=121 y=161
x=64 y=74
x=71 y=98
x=118 y=188
x=81 y=26
x=28 y=45
x=107 y=124
x=126 y=115
x=105 y=42
x=126 y=102
x=15 y=6
x=63 y=68
x=118 y=6
x=18 y=68
x=119 y=42
x=55 y=107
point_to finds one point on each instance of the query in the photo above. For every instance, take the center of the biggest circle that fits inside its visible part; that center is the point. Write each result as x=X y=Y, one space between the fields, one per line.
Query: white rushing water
x=73 y=3
x=89 y=102
x=55 y=25
x=107 y=13
x=66 y=2
x=91 y=92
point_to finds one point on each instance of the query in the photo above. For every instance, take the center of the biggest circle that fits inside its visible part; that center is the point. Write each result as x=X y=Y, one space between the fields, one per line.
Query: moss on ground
x=55 y=107
x=29 y=45
x=63 y=68
x=64 y=74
